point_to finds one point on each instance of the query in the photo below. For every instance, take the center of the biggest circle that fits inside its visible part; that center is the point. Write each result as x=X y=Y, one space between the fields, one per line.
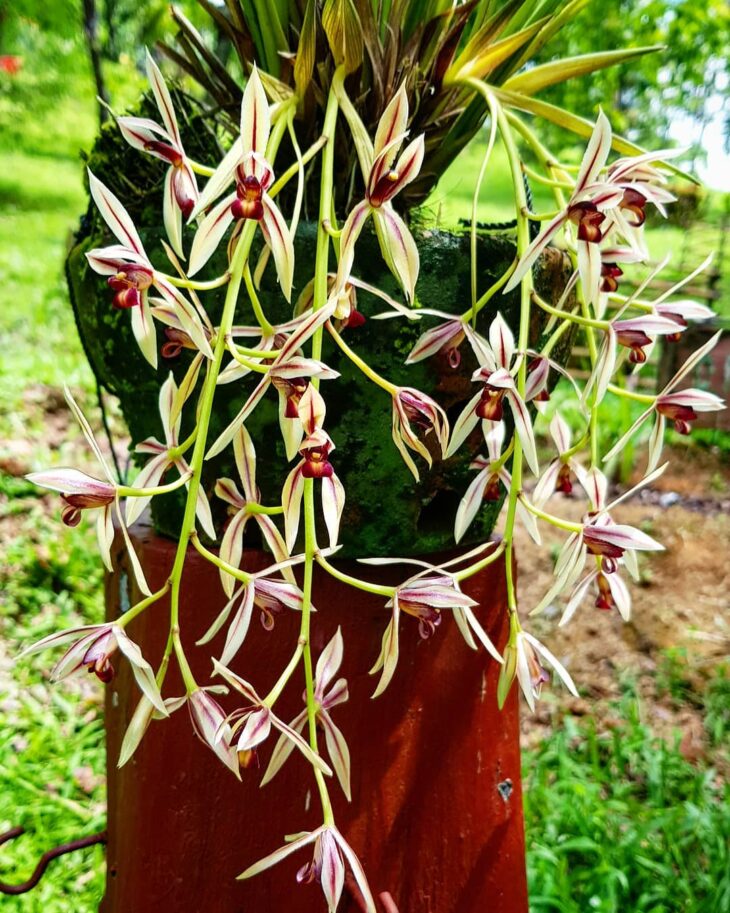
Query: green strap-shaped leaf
x=548 y=74
x=306 y=49
x=342 y=26
x=480 y=65
x=575 y=124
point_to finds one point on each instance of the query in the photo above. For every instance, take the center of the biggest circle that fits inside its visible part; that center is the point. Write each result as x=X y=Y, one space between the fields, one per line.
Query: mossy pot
x=387 y=512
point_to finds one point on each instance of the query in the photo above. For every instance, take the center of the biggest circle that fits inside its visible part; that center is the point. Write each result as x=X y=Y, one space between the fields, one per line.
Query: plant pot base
x=436 y=812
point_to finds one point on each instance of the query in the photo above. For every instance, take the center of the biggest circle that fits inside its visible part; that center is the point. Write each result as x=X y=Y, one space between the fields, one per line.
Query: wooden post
x=436 y=812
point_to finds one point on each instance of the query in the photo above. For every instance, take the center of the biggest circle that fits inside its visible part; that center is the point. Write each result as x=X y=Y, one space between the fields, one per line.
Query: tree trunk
x=91 y=35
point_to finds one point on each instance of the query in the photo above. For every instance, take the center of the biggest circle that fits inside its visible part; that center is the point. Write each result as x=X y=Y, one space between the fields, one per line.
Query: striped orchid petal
x=143 y=327
x=357 y=872
x=333 y=502
x=162 y=97
x=350 y=233
x=388 y=658
x=523 y=427
x=255 y=116
x=209 y=234
x=596 y=154
x=291 y=499
x=533 y=251
x=278 y=237
x=209 y=723
x=231 y=548
x=398 y=248
x=501 y=341
x=115 y=215
x=392 y=124
x=338 y=752
x=444 y=336
x=141 y=132
x=332 y=874
x=470 y=504
x=329 y=662
x=219 y=181
x=148 y=477
x=464 y=425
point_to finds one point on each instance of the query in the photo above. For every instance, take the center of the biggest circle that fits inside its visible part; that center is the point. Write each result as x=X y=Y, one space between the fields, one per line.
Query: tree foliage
x=688 y=79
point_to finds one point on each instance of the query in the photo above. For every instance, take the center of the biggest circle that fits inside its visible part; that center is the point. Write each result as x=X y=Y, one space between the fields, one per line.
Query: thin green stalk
x=125 y=491
x=357 y=582
x=240 y=258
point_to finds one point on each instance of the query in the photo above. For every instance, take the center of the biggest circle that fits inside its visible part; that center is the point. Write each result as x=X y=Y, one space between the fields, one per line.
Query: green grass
x=620 y=821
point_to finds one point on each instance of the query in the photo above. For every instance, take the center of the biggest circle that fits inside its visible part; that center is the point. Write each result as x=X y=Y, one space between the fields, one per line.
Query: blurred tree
x=687 y=80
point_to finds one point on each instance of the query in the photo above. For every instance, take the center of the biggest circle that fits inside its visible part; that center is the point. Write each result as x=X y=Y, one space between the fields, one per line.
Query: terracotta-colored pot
x=436 y=812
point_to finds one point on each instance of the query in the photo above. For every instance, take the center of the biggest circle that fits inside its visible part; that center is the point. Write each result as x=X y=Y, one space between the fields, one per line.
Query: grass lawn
x=617 y=820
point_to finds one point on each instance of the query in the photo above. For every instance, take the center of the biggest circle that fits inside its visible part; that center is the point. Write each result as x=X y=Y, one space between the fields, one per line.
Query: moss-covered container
x=386 y=512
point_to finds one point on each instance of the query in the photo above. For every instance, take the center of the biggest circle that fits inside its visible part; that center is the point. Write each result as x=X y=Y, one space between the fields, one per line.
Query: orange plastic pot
x=436 y=812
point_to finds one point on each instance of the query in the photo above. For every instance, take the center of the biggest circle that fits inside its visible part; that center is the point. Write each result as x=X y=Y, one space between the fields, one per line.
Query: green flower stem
x=630 y=394
x=240 y=258
x=359 y=363
x=273 y=696
x=124 y=491
x=242 y=360
x=376 y=589
x=573 y=318
x=474 y=203
x=310 y=549
x=236 y=572
x=310 y=533
x=523 y=242
x=555 y=337
x=546 y=159
x=479 y=565
x=550 y=518
x=269 y=354
x=292 y=170
x=201 y=169
x=266 y=328
x=197 y=286
x=489 y=294
x=176 y=452
x=254 y=508
x=137 y=609
x=541 y=179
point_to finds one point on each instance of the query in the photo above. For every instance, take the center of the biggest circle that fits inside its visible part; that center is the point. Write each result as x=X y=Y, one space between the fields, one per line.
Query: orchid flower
x=680 y=406
x=326 y=698
x=495 y=375
x=80 y=492
x=597 y=208
x=383 y=181
x=314 y=450
x=244 y=505
x=246 y=164
x=271 y=595
x=131 y=275
x=447 y=338
x=92 y=648
x=522 y=660
x=600 y=536
x=331 y=851
x=164 y=457
x=210 y=725
x=612 y=592
x=411 y=407
x=252 y=726
x=486 y=487
x=181 y=188
x=287 y=366
x=558 y=475
x=424 y=597
x=633 y=334
x=586 y=209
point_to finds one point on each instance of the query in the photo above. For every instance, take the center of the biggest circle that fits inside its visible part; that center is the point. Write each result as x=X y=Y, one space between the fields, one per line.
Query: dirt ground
x=681 y=602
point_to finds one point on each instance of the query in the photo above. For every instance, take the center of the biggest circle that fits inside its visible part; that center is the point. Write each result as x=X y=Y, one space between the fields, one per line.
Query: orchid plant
x=475 y=64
